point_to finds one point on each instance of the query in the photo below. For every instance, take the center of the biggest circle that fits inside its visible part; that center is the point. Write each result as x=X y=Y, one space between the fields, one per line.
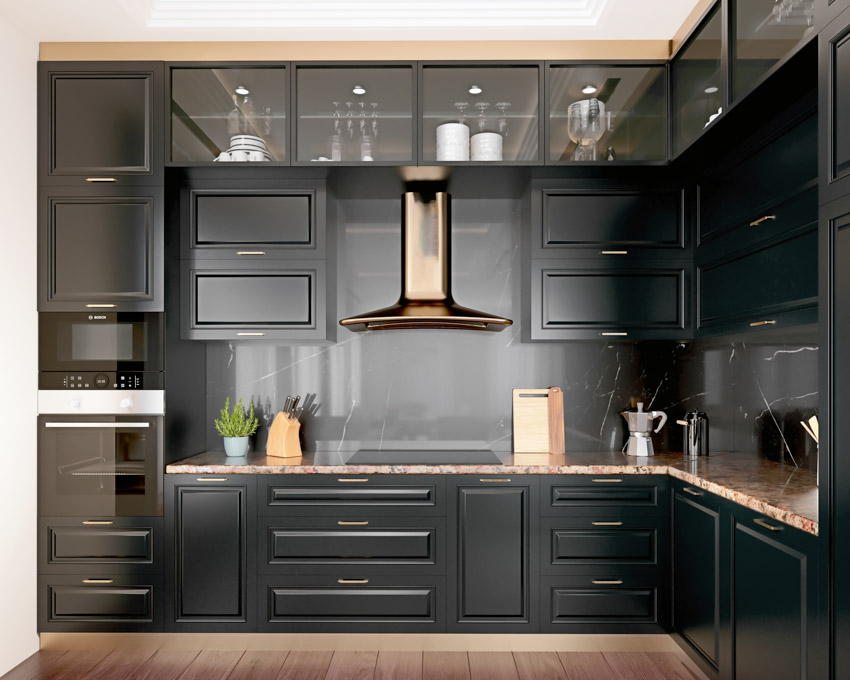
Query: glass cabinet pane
x=499 y=103
x=697 y=83
x=607 y=113
x=356 y=114
x=229 y=114
x=765 y=31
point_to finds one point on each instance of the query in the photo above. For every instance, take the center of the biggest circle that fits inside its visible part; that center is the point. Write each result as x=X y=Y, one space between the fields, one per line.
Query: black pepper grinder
x=696 y=433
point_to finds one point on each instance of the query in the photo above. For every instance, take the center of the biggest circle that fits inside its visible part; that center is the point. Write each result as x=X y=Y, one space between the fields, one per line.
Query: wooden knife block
x=284 y=438
x=538 y=420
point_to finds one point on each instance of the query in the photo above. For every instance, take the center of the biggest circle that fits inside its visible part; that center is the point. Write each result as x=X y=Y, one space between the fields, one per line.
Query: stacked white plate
x=486 y=146
x=246 y=148
x=452 y=142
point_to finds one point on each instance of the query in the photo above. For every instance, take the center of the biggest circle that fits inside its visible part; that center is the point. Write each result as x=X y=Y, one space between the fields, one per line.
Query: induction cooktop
x=424 y=457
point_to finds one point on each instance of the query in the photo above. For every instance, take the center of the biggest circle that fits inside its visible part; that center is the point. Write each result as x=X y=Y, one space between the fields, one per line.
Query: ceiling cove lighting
x=371 y=13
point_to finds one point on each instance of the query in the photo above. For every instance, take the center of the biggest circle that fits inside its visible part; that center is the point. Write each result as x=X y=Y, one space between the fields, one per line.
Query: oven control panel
x=101 y=380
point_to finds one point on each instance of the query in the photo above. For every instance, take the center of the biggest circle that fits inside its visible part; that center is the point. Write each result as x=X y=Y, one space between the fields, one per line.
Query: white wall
x=18 y=348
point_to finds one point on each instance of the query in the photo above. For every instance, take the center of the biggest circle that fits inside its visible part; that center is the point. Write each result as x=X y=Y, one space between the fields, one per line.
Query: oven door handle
x=97 y=424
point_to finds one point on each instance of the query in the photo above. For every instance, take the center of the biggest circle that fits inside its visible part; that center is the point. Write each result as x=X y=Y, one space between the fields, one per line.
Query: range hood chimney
x=426 y=295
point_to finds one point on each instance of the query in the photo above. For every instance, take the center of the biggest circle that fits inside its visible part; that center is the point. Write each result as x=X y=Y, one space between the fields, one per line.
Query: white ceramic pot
x=236 y=447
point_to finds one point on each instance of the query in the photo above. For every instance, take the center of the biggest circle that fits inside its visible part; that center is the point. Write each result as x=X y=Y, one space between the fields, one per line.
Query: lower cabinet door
x=493 y=556
x=772 y=588
x=102 y=603
x=351 y=602
x=627 y=603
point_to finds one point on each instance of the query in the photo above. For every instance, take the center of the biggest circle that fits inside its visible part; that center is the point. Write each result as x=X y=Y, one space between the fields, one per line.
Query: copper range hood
x=426 y=296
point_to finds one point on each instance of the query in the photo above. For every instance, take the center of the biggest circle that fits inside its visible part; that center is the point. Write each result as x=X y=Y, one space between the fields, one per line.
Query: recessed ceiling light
x=710 y=90
x=589 y=89
x=359 y=89
x=474 y=89
x=241 y=89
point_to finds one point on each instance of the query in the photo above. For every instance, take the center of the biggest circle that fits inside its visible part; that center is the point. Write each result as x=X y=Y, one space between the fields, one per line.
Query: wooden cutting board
x=538 y=420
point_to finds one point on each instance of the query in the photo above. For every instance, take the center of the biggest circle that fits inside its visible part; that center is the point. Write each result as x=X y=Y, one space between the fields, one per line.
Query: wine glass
x=482 y=110
x=374 y=106
x=462 y=107
x=503 y=120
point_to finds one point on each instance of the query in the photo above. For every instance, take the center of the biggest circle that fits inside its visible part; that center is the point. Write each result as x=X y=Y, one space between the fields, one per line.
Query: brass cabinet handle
x=613 y=252
x=607 y=481
x=504 y=480
x=355 y=581
x=101 y=306
x=210 y=479
x=757 y=222
x=98 y=580
x=251 y=334
x=614 y=334
x=101 y=179
x=766 y=322
x=353 y=524
x=692 y=492
x=600 y=582
x=764 y=524
x=97 y=521
x=350 y=481
x=250 y=252
x=607 y=524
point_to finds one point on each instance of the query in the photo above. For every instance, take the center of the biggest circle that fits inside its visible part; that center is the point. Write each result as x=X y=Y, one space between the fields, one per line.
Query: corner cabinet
x=210 y=533
x=100 y=123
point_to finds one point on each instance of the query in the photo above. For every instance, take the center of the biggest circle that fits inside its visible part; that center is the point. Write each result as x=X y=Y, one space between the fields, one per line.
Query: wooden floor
x=297 y=665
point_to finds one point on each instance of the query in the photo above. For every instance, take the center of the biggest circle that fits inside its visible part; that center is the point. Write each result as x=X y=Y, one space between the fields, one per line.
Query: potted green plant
x=235 y=427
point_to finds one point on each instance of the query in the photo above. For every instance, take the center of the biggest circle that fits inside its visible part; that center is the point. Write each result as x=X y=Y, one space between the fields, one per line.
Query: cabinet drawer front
x=609 y=220
x=100 y=603
x=359 y=603
x=603 y=604
x=633 y=546
x=781 y=277
x=376 y=545
x=590 y=494
x=100 y=545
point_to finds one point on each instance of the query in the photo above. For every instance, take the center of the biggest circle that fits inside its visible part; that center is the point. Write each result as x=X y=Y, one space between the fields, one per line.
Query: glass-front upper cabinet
x=355 y=115
x=697 y=82
x=229 y=114
x=607 y=113
x=481 y=113
x=764 y=32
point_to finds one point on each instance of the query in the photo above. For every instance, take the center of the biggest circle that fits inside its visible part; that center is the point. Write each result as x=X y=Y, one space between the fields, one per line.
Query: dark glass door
x=99 y=465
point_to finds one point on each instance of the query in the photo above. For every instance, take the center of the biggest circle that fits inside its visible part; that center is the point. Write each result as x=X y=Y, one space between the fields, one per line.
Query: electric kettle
x=640 y=427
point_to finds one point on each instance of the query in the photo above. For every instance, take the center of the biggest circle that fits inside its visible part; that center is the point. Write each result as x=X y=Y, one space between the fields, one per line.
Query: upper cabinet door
x=355 y=114
x=605 y=113
x=834 y=108
x=762 y=33
x=100 y=123
x=481 y=114
x=697 y=82
x=229 y=114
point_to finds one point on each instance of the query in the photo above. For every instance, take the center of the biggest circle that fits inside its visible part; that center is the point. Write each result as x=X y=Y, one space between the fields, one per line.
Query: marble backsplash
x=446 y=389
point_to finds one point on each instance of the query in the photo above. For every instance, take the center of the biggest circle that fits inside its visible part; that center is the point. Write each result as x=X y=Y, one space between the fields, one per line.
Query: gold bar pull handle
x=98 y=580
x=503 y=480
x=97 y=522
x=353 y=581
x=250 y=252
x=607 y=481
x=766 y=322
x=607 y=524
x=253 y=335
x=757 y=222
x=764 y=524
x=210 y=479
x=100 y=179
x=352 y=481
x=97 y=306
x=614 y=334
x=612 y=582
x=613 y=252
x=353 y=524
x=692 y=491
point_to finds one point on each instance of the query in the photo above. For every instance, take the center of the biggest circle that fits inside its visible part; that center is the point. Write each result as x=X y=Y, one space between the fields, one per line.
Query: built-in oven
x=77 y=342
x=100 y=453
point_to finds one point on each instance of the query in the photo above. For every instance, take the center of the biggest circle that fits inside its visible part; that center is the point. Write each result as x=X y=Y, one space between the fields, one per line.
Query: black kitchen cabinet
x=100 y=123
x=834 y=107
x=696 y=569
x=493 y=554
x=210 y=538
x=100 y=248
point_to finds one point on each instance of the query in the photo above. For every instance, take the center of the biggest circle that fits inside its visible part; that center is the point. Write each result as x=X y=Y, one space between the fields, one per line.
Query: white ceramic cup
x=256 y=156
x=486 y=146
x=239 y=156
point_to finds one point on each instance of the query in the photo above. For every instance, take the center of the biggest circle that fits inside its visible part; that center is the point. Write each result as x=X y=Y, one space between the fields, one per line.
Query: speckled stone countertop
x=779 y=491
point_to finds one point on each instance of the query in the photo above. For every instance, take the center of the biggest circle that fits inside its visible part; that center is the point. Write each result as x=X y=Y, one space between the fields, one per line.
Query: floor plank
x=671 y=666
x=633 y=665
x=492 y=666
x=305 y=666
x=586 y=666
x=445 y=666
x=539 y=666
x=34 y=666
x=76 y=664
x=119 y=664
x=211 y=664
x=399 y=666
x=258 y=666
x=165 y=665
x=352 y=666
